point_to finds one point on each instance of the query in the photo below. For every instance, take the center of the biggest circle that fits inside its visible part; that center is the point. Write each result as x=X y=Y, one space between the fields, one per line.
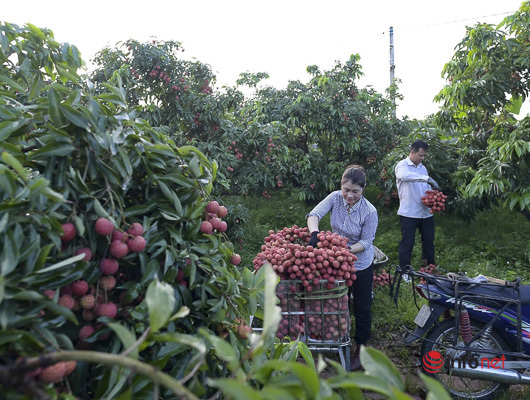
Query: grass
x=496 y=243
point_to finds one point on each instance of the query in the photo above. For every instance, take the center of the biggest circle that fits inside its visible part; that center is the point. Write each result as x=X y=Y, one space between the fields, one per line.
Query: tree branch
x=111 y=360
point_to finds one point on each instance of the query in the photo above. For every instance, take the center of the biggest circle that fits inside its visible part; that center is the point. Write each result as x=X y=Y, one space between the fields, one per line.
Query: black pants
x=362 y=304
x=408 y=233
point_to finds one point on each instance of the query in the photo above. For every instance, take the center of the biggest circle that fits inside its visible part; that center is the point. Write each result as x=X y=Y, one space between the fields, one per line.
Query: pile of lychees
x=312 y=280
x=290 y=256
x=381 y=278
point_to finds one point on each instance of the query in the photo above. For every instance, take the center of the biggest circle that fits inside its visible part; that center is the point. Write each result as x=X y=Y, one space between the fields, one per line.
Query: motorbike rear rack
x=462 y=293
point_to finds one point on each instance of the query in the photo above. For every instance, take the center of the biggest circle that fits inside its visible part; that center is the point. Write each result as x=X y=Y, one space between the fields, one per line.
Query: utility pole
x=392 y=67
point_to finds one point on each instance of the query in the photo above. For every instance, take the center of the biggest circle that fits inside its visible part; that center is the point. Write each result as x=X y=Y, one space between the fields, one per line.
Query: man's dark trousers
x=408 y=233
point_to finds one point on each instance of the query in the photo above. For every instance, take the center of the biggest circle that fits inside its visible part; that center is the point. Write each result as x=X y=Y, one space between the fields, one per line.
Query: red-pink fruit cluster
x=435 y=200
x=56 y=372
x=327 y=319
x=213 y=218
x=321 y=315
x=293 y=259
x=429 y=269
x=382 y=279
x=121 y=242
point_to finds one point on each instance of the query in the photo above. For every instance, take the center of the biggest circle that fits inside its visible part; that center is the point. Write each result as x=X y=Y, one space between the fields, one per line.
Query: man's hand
x=433 y=183
x=314 y=240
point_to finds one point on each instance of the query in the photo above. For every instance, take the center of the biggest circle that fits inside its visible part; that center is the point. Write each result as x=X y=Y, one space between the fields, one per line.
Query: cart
x=320 y=318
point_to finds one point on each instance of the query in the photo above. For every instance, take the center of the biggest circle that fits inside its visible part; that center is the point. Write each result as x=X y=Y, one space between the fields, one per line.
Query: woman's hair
x=355 y=175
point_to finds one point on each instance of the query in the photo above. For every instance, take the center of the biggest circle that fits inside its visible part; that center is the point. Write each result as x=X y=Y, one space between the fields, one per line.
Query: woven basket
x=380 y=258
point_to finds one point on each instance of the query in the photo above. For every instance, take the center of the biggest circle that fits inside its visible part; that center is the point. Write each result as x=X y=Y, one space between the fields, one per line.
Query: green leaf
x=378 y=364
x=11 y=82
x=195 y=167
x=436 y=390
x=55 y=111
x=65 y=312
x=183 y=312
x=15 y=164
x=62 y=264
x=100 y=211
x=8 y=127
x=514 y=105
x=160 y=301
x=10 y=254
x=235 y=390
x=2 y=288
x=76 y=117
x=127 y=337
x=52 y=149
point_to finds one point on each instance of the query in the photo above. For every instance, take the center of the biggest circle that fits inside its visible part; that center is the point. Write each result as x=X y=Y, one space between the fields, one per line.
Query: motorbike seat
x=496 y=291
x=483 y=290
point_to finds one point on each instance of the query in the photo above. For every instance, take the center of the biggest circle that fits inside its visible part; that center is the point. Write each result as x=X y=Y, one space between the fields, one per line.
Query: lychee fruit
x=88 y=315
x=235 y=259
x=136 y=229
x=215 y=223
x=109 y=266
x=53 y=373
x=222 y=226
x=88 y=301
x=70 y=366
x=119 y=235
x=69 y=232
x=104 y=227
x=50 y=293
x=107 y=282
x=212 y=207
x=222 y=212
x=66 y=290
x=86 y=331
x=243 y=331
x=107 y=310
x=180 y=275
x=79 y=288
x=86 y=251
x=118 y=249
x=67 y=301
x=136 y=244
x=206 y=227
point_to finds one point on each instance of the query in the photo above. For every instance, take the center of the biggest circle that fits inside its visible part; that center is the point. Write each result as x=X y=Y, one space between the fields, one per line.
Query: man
x=412 y=181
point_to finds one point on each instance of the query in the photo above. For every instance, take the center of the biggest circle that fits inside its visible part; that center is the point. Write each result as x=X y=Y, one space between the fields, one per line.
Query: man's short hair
x=419 y=144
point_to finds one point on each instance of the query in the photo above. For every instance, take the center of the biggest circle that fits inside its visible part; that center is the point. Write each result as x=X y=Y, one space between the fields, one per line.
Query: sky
x=281 y=37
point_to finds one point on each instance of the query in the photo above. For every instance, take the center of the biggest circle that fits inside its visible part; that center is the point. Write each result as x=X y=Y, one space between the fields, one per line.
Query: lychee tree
x=100 y=220
x=487 y=82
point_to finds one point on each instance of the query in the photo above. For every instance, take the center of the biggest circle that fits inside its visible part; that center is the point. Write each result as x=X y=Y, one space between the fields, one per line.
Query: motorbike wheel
x=460 y=387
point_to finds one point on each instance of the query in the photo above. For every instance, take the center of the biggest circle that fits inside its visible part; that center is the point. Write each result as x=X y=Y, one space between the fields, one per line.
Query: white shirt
x=411 y=180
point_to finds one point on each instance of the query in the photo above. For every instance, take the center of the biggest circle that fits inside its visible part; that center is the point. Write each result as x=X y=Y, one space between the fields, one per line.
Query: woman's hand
x=356 y=248
x=314 y=240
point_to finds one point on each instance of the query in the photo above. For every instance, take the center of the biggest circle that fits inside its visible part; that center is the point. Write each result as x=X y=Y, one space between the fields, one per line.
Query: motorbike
x=474 y=332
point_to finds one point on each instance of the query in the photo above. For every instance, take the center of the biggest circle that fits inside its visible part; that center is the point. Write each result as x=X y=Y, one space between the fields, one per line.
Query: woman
x=355 y=218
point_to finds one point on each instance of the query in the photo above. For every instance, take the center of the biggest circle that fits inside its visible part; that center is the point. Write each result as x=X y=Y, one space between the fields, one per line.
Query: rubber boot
x=355 y=364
